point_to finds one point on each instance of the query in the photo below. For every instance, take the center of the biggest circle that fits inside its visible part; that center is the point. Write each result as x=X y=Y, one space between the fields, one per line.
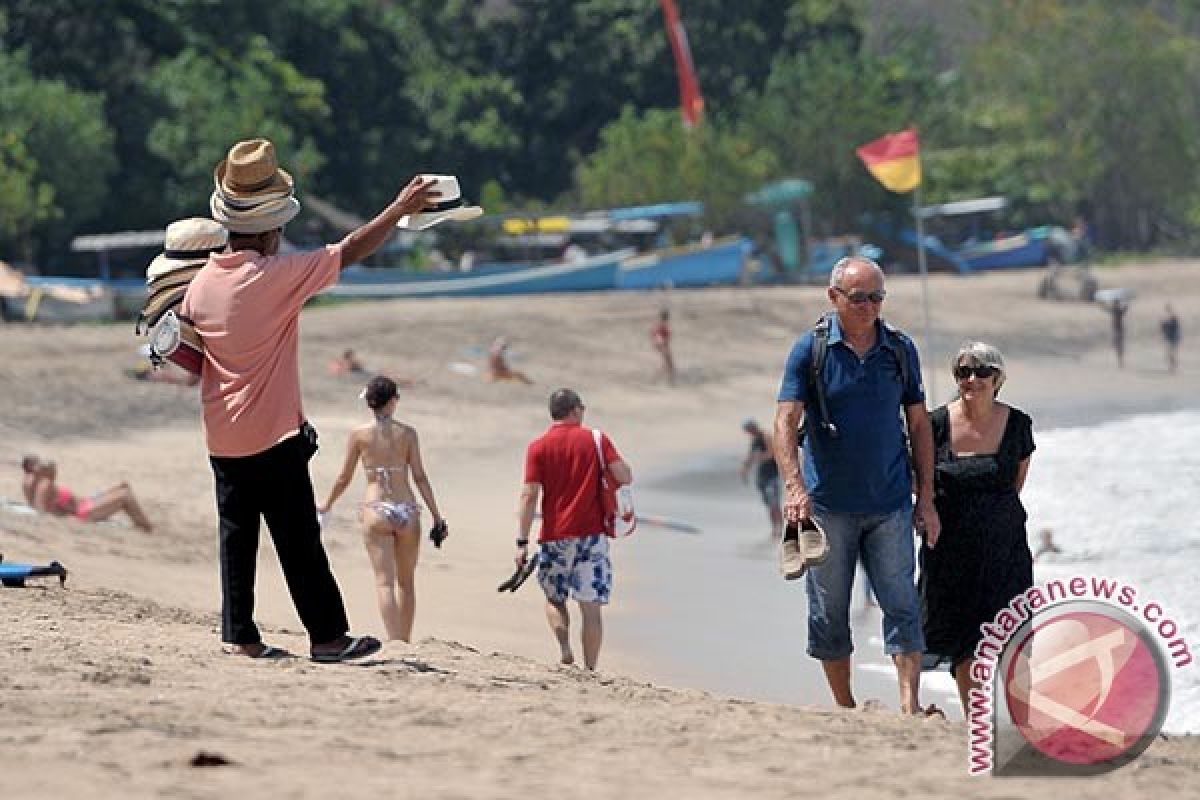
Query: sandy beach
x=111 y=686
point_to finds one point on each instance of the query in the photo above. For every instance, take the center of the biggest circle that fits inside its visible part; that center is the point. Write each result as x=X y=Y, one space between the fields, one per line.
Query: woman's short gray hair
x=981 y=354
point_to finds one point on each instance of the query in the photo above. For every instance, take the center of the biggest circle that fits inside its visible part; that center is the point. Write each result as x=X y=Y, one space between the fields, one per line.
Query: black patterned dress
x=982 y=558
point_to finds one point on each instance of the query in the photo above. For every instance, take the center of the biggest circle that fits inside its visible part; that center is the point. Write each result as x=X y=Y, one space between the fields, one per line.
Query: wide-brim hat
x=449 y=206
x=251 y=172
x=189 y=242
x=260 y=218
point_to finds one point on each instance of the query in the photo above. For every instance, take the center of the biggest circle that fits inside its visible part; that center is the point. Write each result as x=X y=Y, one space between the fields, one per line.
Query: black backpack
x=894 y=339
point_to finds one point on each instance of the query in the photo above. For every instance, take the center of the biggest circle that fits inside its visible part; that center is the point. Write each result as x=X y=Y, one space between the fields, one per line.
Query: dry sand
x=109 y=687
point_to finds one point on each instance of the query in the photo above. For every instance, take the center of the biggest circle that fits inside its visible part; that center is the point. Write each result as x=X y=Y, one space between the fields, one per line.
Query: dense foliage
x=113 y=113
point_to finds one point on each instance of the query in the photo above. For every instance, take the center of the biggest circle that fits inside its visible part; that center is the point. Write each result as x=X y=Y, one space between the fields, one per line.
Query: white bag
x=620 y=519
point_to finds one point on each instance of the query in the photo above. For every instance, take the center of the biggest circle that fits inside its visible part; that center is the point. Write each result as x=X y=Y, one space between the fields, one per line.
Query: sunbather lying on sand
x=43 y=493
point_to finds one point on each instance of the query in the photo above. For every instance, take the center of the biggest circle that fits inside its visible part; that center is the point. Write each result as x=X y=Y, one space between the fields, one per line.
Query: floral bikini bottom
x=398 y=515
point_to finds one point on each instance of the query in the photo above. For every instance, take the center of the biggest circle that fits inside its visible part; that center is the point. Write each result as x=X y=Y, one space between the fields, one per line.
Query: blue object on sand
x=14 y=575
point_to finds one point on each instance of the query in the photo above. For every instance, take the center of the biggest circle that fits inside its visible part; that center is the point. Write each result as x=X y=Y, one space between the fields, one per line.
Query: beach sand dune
x=110 y=687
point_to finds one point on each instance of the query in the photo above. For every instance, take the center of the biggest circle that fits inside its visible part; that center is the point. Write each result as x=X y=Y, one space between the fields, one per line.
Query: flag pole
x=924 y=293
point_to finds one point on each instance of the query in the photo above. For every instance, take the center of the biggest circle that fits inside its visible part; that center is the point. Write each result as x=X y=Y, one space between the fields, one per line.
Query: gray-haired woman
x=982 y=559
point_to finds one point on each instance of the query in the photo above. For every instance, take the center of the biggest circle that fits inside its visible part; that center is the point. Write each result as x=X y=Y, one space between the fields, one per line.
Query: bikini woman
x=389 y=452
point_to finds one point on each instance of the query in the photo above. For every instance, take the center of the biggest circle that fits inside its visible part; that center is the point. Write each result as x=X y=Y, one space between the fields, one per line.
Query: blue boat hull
x=721 y=264
x=1018 y=251
x=593 y=274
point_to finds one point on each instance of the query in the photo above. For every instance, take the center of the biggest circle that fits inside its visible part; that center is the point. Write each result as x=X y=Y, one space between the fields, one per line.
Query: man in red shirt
x=563 y=467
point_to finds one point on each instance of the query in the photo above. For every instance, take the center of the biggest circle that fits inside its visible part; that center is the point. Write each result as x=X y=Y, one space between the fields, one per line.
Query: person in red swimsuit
x=660 y=335
x=43 y=493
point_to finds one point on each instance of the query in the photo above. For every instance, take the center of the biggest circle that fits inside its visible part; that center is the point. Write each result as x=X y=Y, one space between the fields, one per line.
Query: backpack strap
x=899 y=343
x=894 y=339
x=816 y=386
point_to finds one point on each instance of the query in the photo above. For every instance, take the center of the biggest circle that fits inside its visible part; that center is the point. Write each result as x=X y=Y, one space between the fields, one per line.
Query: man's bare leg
x=837 y=673
x=593 y=633
x=908 y=671
x=560 y=622
x=962 y=677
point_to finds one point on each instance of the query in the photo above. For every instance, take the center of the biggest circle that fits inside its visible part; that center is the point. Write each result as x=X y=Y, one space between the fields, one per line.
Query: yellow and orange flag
x=894 y=160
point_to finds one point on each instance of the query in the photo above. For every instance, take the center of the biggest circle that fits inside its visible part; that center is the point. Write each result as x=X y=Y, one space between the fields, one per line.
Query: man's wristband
x=522 y=542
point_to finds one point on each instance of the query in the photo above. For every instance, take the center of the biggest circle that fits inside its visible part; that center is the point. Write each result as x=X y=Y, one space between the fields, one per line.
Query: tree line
x=114 y=112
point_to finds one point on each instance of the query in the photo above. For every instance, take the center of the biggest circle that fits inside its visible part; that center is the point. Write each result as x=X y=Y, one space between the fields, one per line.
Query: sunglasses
x=862 y=298
x=982 y=373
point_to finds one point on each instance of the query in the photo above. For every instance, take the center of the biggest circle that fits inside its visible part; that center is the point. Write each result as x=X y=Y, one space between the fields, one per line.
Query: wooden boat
x=590 y=274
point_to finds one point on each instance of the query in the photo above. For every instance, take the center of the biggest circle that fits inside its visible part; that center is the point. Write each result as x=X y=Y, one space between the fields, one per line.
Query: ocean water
x=1123 y=500
x=710 y=611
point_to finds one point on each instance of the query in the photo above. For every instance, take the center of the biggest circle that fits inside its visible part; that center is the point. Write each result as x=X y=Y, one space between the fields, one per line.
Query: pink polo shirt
x=246 y=309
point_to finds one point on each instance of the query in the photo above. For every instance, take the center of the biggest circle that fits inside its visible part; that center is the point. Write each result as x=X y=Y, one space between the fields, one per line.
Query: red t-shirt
x=563 y=460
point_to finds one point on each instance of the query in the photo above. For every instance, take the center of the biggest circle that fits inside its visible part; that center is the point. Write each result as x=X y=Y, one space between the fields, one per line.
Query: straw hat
x=250 y=173
x=266 y=216
x=252 y=195
x=188 y=244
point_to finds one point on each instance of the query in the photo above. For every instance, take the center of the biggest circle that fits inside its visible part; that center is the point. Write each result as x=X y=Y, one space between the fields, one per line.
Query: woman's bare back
x=386 y=453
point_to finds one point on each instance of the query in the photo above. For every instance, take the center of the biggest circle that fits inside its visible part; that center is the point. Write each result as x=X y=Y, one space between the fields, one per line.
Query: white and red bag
x=620 y=519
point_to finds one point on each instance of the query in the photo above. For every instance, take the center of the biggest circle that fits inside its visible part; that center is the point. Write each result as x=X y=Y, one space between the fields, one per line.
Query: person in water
x=42 y=492
x=389 y=453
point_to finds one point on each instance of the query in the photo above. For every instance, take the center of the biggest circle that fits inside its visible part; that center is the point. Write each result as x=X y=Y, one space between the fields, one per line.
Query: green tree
x=57 y=156
x=1097 y=104
x=822 y=104
x=651 y=158
x=213 y=99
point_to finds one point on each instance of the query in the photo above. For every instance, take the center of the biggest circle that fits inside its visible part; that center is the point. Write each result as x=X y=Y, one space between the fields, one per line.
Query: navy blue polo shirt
x=865 y=469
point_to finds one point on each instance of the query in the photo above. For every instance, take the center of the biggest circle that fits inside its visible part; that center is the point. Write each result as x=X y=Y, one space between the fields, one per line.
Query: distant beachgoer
x=1117 y=310
x=660 y=335
x=1085 y=237
x=1047 y=546
x=761 y=458
x=856 y=485
x=1171 y=336
x=391 y=518
x=982 y=559
x=563 y=467
x=245 y=305
x=42 y=492
x=347 y=364
x=498 y=366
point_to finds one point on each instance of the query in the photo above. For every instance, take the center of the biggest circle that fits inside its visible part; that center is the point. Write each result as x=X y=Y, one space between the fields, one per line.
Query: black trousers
x=274 y=485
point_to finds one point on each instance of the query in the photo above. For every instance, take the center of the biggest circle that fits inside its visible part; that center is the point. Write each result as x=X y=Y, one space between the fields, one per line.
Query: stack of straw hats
x=252 y=194
x=189 y=243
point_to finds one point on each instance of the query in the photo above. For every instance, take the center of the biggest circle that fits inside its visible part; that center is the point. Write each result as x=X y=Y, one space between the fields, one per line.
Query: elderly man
x=245 y=305
x=849 y=380
x=563 y=466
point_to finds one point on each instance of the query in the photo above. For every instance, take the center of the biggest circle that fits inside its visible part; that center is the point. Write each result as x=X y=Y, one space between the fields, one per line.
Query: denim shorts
x=578 y=567
x=886 y=544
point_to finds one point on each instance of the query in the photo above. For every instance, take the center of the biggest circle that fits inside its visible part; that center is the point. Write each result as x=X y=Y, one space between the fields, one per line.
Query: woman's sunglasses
x=983 y=373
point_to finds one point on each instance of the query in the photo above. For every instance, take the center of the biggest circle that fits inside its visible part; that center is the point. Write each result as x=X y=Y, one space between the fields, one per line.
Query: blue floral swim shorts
x=577 y=567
